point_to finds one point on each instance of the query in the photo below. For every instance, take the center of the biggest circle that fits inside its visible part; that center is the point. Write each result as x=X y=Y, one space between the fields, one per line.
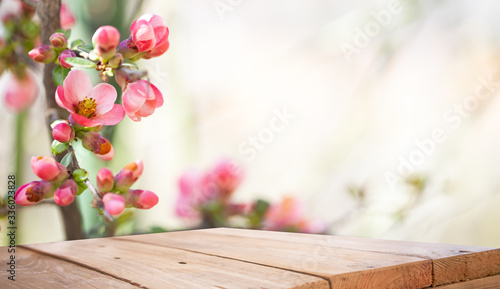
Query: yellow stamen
x=86 y=107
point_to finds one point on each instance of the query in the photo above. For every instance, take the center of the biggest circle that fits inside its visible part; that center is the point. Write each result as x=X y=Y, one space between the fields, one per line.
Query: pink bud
x=62 y=57
x=48 y=169
x=43 y=53
x=114 y=204
x=67 y=19
x=140 y=99
x=63 y=132
x=65 y=194
x=105 y=180
x=20 y=93
x=97 y=144
x=32 y=193
x=142 y=199
x=105 y=40
x=128 y=175
x=150 y=35
x=58 y=41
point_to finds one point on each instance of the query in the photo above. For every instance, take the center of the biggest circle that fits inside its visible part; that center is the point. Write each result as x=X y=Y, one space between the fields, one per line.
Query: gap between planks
x=83 y=265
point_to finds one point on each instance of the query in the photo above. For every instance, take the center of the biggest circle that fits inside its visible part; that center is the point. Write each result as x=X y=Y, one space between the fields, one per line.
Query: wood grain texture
x=345 y=268
x=34 y=270
x=154 y=266
x=451 y=263
x=491 y=282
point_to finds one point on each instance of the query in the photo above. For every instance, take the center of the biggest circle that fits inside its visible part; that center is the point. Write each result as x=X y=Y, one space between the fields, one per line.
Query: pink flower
x=193 y=192
x=63 y=132
x=149 y=38
x=140 y=99
x=288 y=213
x=58 y=41
x=105 y=181
x=89 y=106
x=114 y=204
x=141 y=199
x=105 y=40
x=48 y=169
x=62 y=57
x=67 y=19
x=97 y=144
x=32 y=193
x=20 y=93
x=65 y=194
x=228 y=176
x=43 y=53
x=128 y=175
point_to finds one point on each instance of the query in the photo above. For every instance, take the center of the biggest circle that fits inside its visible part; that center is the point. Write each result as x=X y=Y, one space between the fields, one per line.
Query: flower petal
x=105 y=96
x=77 y=85
x=112 y=117
x=133 y=98
x=84 y=121
x=158 y=95
x=61 y=100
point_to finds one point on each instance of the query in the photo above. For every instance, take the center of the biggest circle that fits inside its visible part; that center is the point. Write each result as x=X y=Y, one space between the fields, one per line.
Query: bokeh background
x=392 y=128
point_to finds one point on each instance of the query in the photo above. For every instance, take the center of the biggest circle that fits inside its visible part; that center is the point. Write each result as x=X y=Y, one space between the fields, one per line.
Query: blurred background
x=380 y=116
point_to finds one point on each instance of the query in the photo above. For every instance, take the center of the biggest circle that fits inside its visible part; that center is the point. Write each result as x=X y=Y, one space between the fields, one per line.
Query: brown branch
x=48 y=13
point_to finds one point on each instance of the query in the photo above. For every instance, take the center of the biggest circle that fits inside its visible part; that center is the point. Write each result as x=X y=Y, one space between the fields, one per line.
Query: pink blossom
x=48 y=169
x=140 y=99
x=65 y=194
x=63 y=132
x=114 y=204
x=89 y=106
x=128 y=175
x=228 y=176
x=43 y=53
x=287 y=213
x=105 y=40
x=32 y=193
x=141 y=199
x=190 y=195
x=105 y=181
x=97 y=144
x=149 y=38
x=67 y=19
x=21 y=92
x=62 y=57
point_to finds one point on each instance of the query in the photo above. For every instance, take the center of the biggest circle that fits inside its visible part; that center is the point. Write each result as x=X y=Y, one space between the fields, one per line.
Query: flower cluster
x=116 y=193
x=206 y=197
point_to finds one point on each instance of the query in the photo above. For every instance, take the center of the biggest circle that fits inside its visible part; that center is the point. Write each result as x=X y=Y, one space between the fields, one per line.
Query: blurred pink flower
x=228 y=176
x=191 y=194
x=89 y=106
x=140 y=99
x=20 y=93
x=67 y=18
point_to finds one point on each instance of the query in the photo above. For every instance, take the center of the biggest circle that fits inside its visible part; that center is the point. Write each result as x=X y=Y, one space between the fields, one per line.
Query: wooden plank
x=345 y=268
x=34 y=270
x=491 y=282
x=451 y=263
x=160 y=267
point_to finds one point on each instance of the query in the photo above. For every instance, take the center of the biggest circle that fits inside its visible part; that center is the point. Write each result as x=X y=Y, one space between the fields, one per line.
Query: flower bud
x=105 y=180
x=105 y=40
x=21 y=92
x=128 y=175
x=32 y=193
x=127 y=48
x=63 y=132
x=43 y=53
x=97 y=144
x=58 y=41
x=141 y=199
x=62 y=57
x=48 y=169
x=114 y=204
x=65 y=194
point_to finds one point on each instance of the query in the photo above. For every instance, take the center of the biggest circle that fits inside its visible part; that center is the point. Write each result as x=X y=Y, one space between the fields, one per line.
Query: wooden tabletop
x=236 y=258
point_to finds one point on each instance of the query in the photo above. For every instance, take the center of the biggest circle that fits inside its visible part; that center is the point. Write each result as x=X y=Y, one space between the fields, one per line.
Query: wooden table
x=235 y=258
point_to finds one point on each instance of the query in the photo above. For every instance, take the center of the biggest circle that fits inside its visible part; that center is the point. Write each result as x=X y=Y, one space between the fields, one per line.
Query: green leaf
x=93 y=56
x=59 y=74
x=81 y=188
x=66 y=33
x=58 y=147
x=261 y=207
x=80 y=175
x=66 y=160
x=78 y=62
x=76 y=43
x=85 y=47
